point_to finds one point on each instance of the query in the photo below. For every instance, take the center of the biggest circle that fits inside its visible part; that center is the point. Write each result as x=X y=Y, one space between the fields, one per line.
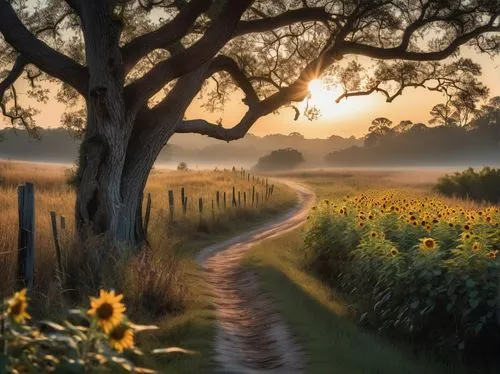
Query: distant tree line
x=456 y=133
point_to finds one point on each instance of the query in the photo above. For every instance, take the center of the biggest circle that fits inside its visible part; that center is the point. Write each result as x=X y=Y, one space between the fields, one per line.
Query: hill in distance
x=59 y=146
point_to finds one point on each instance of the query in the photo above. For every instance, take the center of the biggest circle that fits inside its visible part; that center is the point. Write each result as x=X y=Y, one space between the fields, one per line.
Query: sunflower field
x=416 y=266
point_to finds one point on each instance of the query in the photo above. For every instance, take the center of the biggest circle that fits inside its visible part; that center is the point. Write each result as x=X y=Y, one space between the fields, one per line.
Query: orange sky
x=350 y=117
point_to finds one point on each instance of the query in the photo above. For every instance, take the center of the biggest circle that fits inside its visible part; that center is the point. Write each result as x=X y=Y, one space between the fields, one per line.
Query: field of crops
x=417 y=266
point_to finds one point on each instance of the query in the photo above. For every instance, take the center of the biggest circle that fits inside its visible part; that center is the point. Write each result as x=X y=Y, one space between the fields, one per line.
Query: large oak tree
x=128 y=70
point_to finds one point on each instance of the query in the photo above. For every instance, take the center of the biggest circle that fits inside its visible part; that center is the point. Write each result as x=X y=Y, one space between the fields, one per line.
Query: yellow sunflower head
x=493 y=254
x=17 y=306
x=476 y=247
x=121 y=337
x=107 y=309
x=373 y=234
x=466 y=236
x=394 y=252
x=428 y=244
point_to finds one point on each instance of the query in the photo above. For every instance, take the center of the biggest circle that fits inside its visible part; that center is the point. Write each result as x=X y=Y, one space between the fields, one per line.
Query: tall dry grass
x=151 y=278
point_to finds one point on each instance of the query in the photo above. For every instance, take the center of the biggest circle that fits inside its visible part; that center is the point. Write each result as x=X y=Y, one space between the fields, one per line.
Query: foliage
x=416 y=266
x=182 y=166
x=286 y=158
x=470 y=184
x=77 y=345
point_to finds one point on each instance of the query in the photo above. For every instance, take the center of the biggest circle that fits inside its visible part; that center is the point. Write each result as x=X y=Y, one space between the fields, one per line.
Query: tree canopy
x=445 y=143
x=268 y=49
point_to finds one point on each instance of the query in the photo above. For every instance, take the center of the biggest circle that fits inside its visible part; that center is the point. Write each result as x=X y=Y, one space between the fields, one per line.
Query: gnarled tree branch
x=284 y=19
x=401 y=51
x=38 y=53
x=13 y=75
x=203 y=50
x=165 y=35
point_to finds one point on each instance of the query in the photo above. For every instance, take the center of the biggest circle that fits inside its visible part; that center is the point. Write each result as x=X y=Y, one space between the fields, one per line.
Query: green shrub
x=286 y=158
x=469 y=184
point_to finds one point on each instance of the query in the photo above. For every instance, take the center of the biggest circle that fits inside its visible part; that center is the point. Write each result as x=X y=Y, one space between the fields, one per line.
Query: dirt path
x=251 y=337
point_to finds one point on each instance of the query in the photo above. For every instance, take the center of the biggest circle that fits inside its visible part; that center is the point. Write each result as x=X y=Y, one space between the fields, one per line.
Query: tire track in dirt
x=251 y=337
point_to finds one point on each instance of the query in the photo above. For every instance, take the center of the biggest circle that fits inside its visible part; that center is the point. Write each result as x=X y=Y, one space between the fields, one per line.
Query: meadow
x=161 y=284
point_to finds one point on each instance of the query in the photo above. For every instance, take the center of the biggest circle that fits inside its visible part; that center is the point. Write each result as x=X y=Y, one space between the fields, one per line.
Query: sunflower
x=121 y=337
x=373 y=234
x=476 y=246
x=17 y=306
x=466 y=236
x=394 y=252
x=107 y=309
x=428 y=244
x=493 y=254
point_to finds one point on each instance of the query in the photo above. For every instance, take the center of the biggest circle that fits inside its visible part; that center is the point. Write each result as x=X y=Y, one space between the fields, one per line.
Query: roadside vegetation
x=161 y=284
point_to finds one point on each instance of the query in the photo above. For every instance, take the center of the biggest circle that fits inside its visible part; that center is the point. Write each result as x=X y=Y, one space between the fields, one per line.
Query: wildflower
x=466 y=235
x=476 y=246
x=373 y=234
x=107 y=309
x=394 y=252
x=428 y=244
x=121 y=337
x=493 y=254
x=361 y=224
x=17 y=306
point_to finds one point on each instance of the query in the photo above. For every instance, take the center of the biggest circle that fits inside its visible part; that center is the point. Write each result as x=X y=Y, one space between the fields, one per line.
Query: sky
x=351 y=117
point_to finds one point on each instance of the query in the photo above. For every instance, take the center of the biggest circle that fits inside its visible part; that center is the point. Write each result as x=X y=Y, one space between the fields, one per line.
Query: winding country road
x=251 y=337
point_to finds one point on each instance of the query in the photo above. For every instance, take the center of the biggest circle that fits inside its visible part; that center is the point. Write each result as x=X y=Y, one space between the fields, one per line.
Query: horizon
x=350 y=117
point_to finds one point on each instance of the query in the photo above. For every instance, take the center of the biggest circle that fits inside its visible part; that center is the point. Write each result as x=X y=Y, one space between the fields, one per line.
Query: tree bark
x=109 y=126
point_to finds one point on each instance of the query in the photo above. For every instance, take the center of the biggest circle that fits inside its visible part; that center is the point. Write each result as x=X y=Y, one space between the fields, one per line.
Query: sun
x=322 y=96
x=316 y=87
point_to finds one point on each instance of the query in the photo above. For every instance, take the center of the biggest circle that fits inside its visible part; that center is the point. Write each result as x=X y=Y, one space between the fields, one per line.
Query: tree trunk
x=120 y=145
x=100 y=204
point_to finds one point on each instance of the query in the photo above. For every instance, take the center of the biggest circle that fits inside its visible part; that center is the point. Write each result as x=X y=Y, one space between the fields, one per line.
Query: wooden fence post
x=217 y=198
x=26 y=238
x=60 y=268
x=63 y=224
x=183 y=201
x=253 y=195
x=213 y=211
x=171 y=204
x=256 y=199
x=239 y=199
x=148 y=215
x=234 y=198
x=200 y=207
x=225 y=202
x=244 y=198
